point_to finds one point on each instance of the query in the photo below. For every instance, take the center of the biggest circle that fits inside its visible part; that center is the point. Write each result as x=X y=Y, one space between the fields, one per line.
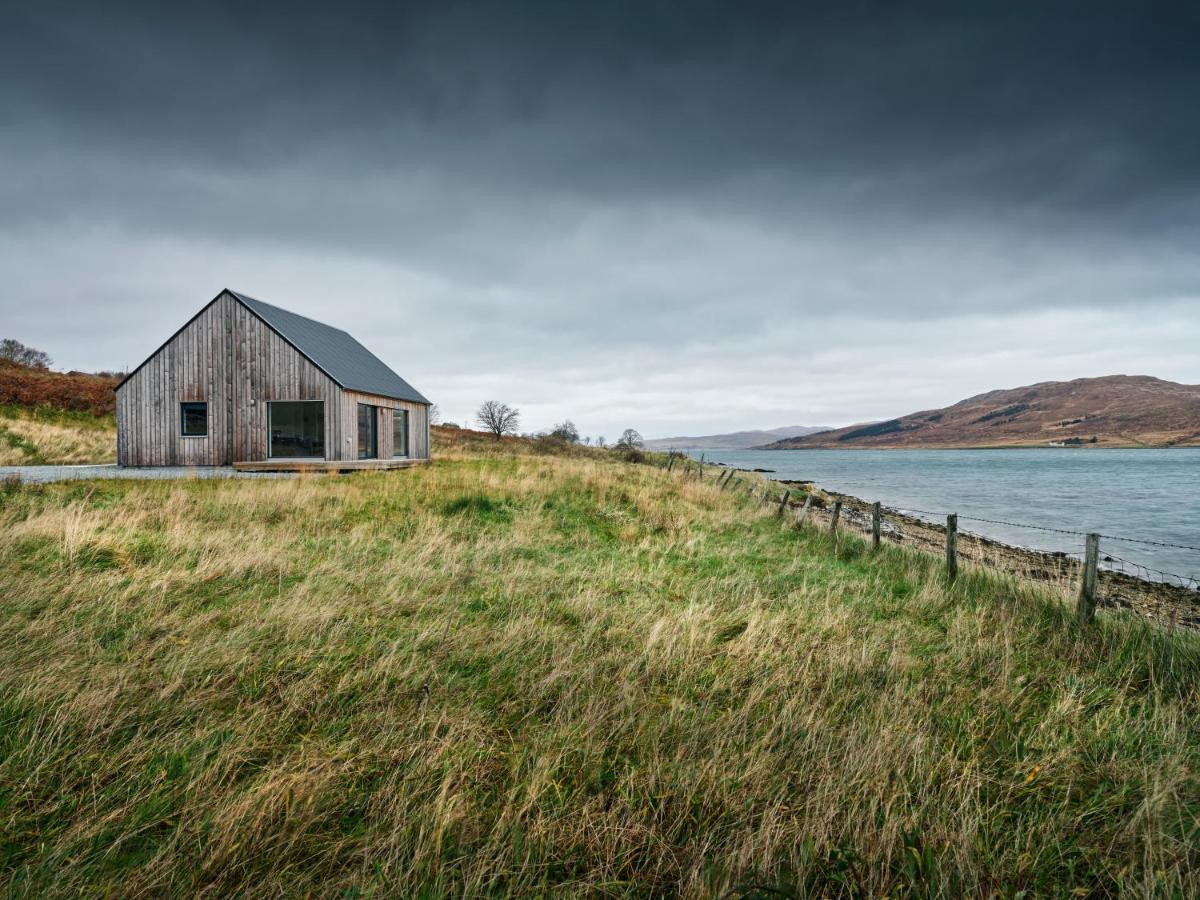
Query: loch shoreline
x=1165 y=603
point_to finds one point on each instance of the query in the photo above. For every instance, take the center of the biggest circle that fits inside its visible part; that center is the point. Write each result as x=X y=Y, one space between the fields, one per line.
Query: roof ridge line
x=250 y=309
x=284 y=309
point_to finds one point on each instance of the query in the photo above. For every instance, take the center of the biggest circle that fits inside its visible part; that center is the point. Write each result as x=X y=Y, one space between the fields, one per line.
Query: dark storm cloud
x=602 y=181
x=1085 y=103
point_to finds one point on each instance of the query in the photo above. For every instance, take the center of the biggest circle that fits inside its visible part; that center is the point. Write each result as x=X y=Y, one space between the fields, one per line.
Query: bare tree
x=566 y=432
x=435 y=414
x=14 y=351
x=498 y=418
x=630 y=440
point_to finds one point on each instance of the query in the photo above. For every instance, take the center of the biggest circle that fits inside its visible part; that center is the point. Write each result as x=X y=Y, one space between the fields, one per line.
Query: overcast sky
x=682 y=218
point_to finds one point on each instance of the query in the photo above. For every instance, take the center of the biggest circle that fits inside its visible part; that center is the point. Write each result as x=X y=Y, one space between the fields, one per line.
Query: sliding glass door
x=296 y=429
x=400 y=432
x=368 y=432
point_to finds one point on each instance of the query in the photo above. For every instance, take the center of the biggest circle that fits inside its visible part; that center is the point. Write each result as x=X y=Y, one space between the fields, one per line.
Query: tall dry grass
x=525 y=675
x=32 y=436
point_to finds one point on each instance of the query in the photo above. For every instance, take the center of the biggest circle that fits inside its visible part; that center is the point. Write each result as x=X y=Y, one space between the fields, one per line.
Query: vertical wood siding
x=418 y=425
x=232 y=360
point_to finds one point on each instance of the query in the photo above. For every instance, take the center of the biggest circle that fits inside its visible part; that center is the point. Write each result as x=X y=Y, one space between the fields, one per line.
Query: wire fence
x=1126 y=582
x=1108 y=560
x=1107 y=537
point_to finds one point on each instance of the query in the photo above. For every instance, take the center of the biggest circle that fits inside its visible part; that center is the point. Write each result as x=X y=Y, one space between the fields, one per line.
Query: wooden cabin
x=248 y=384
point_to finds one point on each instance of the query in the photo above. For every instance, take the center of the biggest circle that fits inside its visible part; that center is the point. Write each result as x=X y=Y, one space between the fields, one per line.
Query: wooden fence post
x=783 y=502
x=1085 y=607
x=804 y=511
x=952 y=546
x=876 y=525
x=671 y=463
x=837 y=514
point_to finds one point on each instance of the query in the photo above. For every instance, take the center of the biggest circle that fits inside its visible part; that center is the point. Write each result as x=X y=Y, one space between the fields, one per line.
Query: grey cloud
x=594 y=188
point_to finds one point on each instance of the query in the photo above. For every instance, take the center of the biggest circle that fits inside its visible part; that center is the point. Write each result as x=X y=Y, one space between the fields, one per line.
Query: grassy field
x=521 y=674
x=41 y=436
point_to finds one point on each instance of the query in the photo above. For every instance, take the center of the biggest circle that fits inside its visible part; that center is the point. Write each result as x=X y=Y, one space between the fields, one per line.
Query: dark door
x=400 y=432
x=368 y=432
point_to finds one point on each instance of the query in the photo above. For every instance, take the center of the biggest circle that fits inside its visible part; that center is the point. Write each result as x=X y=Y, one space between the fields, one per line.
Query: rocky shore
x=1169 y=604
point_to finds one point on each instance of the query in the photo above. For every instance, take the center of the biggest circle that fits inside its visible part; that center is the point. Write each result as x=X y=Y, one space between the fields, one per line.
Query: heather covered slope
x=521 y=673
x=80 y=392
x=1114 y=411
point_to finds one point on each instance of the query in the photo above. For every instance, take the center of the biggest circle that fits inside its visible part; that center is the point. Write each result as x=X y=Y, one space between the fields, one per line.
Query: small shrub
x=549 y=443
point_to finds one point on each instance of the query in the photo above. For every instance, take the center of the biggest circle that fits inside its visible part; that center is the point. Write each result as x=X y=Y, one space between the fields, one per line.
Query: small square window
x=193 y=419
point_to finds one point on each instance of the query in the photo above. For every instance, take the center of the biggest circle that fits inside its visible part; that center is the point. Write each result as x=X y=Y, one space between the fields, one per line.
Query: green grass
x=529 y=675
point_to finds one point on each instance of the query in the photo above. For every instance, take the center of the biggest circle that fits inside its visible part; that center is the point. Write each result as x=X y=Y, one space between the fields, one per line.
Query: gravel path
x=44 y=474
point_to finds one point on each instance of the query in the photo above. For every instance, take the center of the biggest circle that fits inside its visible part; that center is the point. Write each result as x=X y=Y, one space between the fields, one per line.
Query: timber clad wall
x=231 y=359
x=418 y=431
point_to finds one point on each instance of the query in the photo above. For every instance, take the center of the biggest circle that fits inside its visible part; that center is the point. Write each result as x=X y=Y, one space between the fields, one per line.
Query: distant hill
x=736 y=440
x=1114 y=411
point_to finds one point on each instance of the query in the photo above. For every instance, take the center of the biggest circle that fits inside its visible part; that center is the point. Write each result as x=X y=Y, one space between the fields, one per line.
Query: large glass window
x=400 y=432
x=368 y=437
x=297 y=429
x=193 y=419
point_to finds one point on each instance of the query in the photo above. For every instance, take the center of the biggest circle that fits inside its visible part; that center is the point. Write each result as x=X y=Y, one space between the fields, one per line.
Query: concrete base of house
x=327 y=465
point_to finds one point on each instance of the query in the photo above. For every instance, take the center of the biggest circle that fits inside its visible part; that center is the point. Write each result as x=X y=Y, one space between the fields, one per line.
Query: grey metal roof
x=335 y=352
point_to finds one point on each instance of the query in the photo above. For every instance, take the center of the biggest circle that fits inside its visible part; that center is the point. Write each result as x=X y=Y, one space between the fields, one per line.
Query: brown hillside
x=1114 y=411
x=73 y=391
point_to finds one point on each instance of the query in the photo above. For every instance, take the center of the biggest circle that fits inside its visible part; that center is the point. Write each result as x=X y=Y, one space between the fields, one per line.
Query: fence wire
x=1147 y=573
x=1108 y=537
x=1109 y=562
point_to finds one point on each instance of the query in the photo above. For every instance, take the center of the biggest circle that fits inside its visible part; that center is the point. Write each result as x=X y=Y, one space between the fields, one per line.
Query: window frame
x=374 y=414
x=324 y=435
x=183 y=414
x=400 y=415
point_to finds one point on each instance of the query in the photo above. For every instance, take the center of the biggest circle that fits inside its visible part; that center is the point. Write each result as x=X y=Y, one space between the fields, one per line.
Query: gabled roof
x=351 y=365
x=334 y=352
